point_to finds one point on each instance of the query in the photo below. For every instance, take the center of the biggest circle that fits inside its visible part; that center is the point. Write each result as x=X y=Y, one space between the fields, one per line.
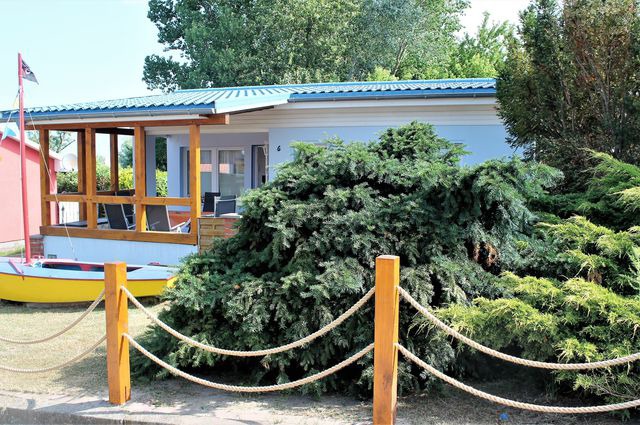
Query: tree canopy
x=241 y=42
x=571 y=81
x=58 y=140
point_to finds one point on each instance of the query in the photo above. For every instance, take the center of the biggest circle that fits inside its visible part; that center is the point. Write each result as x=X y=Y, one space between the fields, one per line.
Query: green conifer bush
x=574 y=299
x=611 y=196
x=306 y=247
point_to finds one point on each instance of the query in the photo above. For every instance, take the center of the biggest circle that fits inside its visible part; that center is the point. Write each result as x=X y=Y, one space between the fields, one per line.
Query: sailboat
x=63 y=281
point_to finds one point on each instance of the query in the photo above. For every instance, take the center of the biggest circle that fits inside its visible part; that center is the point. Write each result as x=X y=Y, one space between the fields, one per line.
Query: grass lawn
x=13 y=252
x=88 y=377
x=25 y=322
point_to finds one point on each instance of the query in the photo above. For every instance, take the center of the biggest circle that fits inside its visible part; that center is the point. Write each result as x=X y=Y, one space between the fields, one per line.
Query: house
x=11 y=229
x=229 y=140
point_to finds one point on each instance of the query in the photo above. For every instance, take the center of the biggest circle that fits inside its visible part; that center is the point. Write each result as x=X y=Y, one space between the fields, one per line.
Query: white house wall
x=106 y=250
x=483 y=141
x=472 y=121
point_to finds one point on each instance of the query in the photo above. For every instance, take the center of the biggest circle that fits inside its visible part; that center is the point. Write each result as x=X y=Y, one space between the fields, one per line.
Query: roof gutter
x=50 y=116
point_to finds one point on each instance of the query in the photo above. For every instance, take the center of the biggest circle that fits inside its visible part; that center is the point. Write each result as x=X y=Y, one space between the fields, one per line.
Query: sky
x=86 y=50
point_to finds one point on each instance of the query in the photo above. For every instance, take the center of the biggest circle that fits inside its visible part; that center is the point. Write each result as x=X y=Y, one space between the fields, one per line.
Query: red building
x=10 y=196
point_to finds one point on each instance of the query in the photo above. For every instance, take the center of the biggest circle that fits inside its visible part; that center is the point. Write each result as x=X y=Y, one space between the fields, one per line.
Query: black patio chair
x=158 y=220
x=226 y=205
x=128 y=208
x=209 y=204
x=117 y=218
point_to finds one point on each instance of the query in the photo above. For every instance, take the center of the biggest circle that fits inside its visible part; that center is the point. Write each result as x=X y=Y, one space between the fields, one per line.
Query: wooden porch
x=89 y=198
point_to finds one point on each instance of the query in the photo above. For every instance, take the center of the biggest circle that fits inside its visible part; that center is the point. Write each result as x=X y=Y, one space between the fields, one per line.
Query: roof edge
x=34 y=146
x=339 y=83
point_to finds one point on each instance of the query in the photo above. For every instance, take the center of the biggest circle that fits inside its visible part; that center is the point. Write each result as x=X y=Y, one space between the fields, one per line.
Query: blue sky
x=80 y=50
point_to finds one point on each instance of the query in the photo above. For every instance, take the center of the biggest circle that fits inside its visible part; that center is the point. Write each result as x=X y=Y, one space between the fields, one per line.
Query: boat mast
x=23 y=166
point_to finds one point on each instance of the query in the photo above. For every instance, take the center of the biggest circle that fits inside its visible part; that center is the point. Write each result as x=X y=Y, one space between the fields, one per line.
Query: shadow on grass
x=178 y=397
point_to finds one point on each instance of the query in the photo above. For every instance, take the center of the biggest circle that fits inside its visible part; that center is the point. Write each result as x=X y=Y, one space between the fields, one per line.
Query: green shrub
x=305 y=251
x=572 y=320
x=125 y=178
x=581 y=305
x=611 y=197
x=68 y=181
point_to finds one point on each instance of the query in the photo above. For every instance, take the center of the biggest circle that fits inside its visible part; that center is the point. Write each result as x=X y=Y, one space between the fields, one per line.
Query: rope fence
x=513 y=359
x=385 y=348
x=62 y=331
x=512 y=403
x=243 y=389
x=256 y=353
x=58 y=366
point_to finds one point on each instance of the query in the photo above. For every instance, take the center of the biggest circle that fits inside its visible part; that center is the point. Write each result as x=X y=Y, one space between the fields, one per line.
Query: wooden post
x=385 y=355
x=45 y=181
x=82 y=173
x=113 y=154
x=90 y=177
x=140 y=181
x=115 y=307
x=194 y=176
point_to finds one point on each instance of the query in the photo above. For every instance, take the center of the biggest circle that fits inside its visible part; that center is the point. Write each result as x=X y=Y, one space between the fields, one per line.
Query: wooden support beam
x=117 y=318
x=385 y=353
x=113 y=155
x=116 y=131
x=194 y=174
x=219 y=119
x=140 y=180
x=167 y=201
x=110 y=198
x=90 y=177
x=110 y=130
x=45 y=181
x=113 y=199
x=66 y=197
x=121 y=235
x=82 y=171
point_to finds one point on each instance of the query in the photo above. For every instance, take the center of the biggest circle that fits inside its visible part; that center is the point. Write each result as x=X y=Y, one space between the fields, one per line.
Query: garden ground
x=81 y=388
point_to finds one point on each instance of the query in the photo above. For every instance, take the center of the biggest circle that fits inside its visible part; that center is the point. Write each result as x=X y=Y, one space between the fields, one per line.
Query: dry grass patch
x=29 y=322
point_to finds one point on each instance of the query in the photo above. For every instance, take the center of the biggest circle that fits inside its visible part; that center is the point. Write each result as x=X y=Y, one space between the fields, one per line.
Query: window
x=230 y=172
x=221 y=170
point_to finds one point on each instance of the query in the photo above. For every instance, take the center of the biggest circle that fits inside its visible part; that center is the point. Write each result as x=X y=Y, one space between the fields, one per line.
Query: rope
x=57 y=334
x=344 y=316
x=512 y=403
x=261 y=389
x=513 y=359
x=50 y=368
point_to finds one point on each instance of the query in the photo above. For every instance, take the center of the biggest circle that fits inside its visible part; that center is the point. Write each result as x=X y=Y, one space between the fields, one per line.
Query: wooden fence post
x=385 y=355
x=115 y=307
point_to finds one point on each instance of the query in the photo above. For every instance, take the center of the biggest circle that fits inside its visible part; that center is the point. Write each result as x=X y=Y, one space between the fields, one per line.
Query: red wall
x=10 y=192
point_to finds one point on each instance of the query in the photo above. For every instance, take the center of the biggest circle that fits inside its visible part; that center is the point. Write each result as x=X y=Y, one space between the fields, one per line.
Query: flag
x=10 y=129
x=28 y=74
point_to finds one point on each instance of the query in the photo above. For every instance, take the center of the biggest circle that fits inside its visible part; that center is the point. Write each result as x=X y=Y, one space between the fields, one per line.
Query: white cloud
x=499 y=10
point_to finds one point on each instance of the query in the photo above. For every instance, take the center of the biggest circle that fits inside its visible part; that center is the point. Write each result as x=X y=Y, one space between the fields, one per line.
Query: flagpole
x=23 y=167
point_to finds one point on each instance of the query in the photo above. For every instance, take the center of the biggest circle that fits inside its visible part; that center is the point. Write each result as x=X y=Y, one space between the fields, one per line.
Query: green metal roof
x=236 y=99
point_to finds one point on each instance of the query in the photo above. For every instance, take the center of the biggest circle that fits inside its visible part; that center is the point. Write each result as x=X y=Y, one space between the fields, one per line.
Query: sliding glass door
x=221 y=170
x=230 y=172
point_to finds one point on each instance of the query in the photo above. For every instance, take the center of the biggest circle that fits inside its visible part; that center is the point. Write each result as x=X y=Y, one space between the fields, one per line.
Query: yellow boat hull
x=40 y=285
x=43 y=290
